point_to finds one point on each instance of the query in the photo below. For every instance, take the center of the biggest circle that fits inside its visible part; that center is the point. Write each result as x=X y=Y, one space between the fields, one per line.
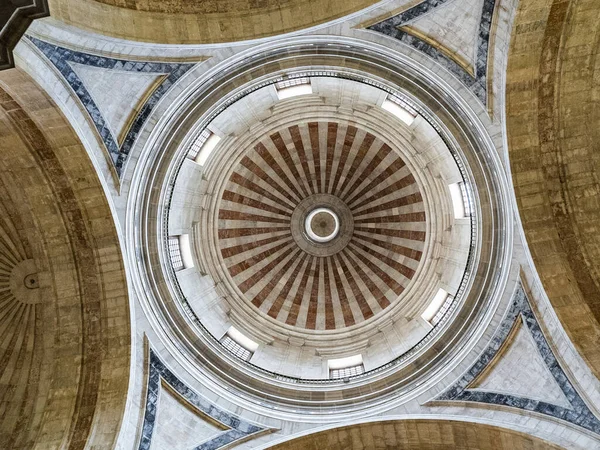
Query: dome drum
x=211 y=224
x=233 y=202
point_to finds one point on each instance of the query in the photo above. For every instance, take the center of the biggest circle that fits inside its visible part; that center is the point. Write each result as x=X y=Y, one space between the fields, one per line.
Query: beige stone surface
x=65 y=358
x=552 y=122
x=417 y=434
x=188 y=22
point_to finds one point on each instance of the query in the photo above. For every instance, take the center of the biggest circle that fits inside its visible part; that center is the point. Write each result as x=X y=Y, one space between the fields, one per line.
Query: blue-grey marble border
x=478 y=83
x=61 y=58
x=238 y=428
x=520 y=309
x=17 y=17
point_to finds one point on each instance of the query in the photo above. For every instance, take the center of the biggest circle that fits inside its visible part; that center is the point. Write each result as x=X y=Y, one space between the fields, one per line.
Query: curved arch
x=552 y=126
x=199 y=21
x=424 y=434
x=67 y=350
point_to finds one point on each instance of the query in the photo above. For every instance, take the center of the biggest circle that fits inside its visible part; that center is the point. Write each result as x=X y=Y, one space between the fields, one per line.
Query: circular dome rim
x=311 y=233
x=317 y=337
x=497 y=203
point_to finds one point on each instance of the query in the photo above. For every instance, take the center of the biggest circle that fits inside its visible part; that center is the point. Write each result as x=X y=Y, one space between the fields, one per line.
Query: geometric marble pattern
x=572 y=408
x=398 y=27
x=235 y=428
x=178 y=424
x=65 y=59
x=518 y=369
x=452 y=28
x=118 y=94
x=382 y=225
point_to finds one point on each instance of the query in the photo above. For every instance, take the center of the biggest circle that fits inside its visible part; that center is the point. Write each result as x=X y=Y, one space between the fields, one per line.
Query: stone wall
x=422 y=434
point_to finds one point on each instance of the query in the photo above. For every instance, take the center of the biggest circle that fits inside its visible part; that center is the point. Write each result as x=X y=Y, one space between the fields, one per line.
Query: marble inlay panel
x=237 y=428
x=15 y=17
x=178 y=425
x=578 y=413
x=374 y=255
x=476 y=82
x=520 y=370
x=63 y=58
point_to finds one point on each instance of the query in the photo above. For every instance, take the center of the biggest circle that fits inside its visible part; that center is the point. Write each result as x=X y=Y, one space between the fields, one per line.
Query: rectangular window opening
x=346 y=367
x=239 y=344
x=437 y=304
x=198 y=143
x=175 y=253
x=293 y=87
x=465 y=191
x=399 y=109
x=458 y=200
x=203 y=146
x=186 y=251
x=439 y=315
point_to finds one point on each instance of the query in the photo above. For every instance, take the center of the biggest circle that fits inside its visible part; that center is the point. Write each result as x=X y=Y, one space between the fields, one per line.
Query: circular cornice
x=416 y=293
x=471 y=149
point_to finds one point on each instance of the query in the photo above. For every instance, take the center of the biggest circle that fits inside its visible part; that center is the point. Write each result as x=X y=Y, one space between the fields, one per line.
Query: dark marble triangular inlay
x=478 y=83
x=237 y=428
x=60 y=57
x=520 y=309
x=15 y=17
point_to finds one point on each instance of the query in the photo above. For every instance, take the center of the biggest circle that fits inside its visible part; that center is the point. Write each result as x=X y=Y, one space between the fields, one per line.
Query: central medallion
x=322 y=225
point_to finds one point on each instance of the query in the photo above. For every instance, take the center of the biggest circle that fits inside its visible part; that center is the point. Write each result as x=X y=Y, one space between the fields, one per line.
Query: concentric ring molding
x=150 y=188
x=379 y=124
x=227 y=160
x=330 y=225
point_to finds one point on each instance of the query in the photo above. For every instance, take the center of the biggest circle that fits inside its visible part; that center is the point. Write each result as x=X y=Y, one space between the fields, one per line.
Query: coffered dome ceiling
x=320 y=218
x=342 y=265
